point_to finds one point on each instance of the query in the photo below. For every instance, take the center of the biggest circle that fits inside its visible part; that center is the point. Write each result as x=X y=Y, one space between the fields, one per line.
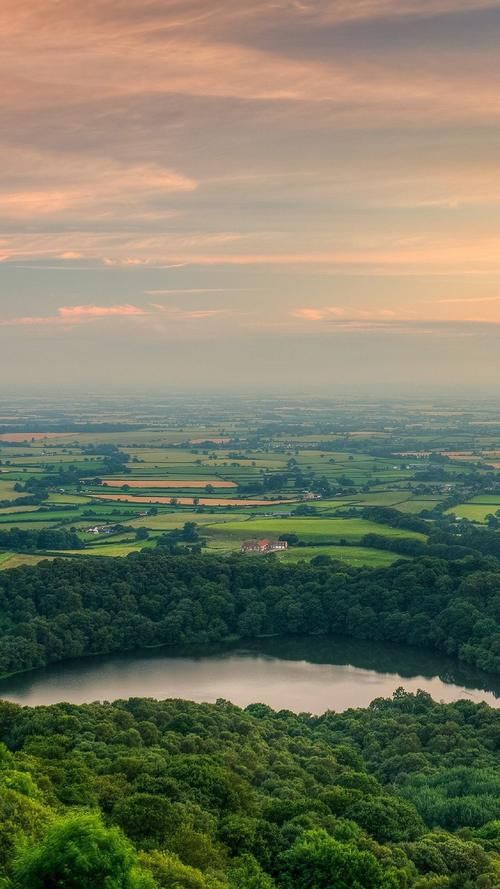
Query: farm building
x=101 y=529
x=263 y=546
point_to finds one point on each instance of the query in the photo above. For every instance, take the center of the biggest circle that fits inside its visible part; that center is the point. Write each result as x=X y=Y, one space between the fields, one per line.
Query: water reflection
x=301 y=674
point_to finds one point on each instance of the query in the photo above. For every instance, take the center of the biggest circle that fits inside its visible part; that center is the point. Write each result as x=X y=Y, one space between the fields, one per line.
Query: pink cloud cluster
x=88 y=312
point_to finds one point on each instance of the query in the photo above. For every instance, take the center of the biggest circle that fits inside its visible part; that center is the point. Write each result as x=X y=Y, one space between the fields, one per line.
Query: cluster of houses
x=101 y=529
x=263 y=546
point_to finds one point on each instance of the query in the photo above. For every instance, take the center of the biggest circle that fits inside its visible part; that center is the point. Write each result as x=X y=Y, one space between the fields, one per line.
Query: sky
x=252 y=194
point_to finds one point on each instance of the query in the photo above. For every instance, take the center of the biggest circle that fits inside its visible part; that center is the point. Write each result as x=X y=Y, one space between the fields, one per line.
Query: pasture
x=316 y=530
x=476 y=510
x=357 y=556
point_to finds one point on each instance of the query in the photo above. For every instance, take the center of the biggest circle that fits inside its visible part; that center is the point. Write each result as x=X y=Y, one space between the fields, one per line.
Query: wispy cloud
x=58 y=185
x=365 y=10
x=208 y=53
x=70 y=315
x=345 y=320
x=136 y=250
x=470 y=300
x=87 y=312
x=342 y=314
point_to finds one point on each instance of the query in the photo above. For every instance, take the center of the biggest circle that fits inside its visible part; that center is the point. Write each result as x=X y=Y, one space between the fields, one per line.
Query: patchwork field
x=242 y=469
x=189 y=501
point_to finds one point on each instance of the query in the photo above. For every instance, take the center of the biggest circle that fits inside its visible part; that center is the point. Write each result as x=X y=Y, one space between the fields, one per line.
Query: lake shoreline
x=298 y=673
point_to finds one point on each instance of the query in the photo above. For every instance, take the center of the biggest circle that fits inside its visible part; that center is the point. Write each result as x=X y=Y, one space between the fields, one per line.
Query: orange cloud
x=78 y=312
x=342 y=313
x=58 y=185
x=430 y=255
x=75 y=315
x=350 y=318
x=132 y=115
x=205 y=53
x=161 y=316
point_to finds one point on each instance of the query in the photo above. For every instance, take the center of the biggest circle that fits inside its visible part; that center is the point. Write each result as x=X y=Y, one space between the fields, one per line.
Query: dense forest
x=45 y=539
x=142 y=794
x=69 y=608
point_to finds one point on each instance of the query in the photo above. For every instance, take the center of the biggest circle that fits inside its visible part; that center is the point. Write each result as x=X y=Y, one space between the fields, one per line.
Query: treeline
x=64 y=609
x=114 y=460
x=470 y=537
x=446 y=539
x=143 y=794
x=387 y=515
x=45 y=539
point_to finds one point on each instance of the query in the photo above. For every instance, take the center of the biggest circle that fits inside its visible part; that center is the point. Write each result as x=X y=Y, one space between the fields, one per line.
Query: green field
x=475 y=512
x=358 y=556
x=326 y=530
x=415 y=506
x=112 y=549
x=169 y=520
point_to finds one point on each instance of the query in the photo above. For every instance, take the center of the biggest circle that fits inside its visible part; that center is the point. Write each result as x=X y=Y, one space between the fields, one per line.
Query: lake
x=312 y=675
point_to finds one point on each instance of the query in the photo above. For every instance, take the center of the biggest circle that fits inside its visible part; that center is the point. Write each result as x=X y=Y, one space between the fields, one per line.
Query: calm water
x=310 y=675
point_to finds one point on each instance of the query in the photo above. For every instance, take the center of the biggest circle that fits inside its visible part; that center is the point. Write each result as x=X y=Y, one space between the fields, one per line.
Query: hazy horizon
x=267 y=196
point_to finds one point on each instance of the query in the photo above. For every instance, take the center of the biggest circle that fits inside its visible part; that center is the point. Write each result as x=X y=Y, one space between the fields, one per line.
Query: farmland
x=343 y=480
x=315 y=530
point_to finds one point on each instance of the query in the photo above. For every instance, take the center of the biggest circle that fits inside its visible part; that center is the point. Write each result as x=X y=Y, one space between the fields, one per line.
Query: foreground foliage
x=142 y=794
x=174 y=795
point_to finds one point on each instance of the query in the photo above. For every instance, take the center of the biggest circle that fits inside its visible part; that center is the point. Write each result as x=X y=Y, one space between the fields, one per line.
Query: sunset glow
x=185 y=181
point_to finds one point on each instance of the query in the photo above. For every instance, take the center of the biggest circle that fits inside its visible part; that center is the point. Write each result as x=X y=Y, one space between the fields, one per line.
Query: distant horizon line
x=405 y=390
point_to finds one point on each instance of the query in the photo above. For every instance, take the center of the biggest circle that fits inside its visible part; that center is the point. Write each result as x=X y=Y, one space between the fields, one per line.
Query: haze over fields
x=257 y=193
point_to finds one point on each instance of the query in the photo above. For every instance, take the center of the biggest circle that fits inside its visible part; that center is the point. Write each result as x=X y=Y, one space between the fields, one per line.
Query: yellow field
x=7 y=491
x=15 y=560
x=189 y=501
x=13 y=510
